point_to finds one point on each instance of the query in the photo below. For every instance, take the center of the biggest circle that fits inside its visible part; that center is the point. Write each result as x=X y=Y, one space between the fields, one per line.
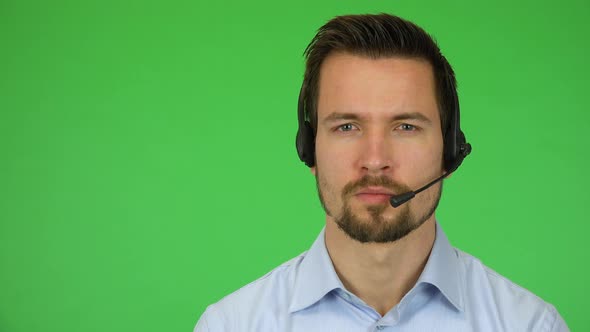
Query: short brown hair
x=377 y=36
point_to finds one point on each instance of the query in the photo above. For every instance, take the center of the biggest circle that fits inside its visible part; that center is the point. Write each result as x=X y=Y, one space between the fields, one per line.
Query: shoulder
x=273 y=286
x=269 y=293
x=509 y=306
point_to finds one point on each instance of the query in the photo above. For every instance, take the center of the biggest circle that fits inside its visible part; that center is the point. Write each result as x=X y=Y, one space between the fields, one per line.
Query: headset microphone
x=397 y=200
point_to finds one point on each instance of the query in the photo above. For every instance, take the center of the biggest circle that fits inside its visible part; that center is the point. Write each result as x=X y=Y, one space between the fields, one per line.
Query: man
x=379 y=117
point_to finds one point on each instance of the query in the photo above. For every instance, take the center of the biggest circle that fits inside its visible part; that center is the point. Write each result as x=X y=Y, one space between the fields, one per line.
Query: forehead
x=376 y=87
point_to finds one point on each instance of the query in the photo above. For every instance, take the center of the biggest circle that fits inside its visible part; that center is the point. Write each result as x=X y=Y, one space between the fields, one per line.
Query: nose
x=376 y=154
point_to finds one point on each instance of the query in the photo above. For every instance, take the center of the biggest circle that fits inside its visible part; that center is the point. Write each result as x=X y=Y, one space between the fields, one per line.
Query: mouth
x=374 y=195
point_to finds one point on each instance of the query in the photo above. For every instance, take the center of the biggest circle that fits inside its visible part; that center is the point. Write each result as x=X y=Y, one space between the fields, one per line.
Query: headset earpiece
x=306 y=144
x=305 y=139
x=460 y=149
x=455 y=147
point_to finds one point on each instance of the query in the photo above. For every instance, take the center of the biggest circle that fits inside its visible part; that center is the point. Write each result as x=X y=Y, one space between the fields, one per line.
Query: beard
x=377 y=227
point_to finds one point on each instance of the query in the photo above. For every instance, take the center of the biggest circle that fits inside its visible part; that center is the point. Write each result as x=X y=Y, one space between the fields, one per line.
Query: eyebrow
x=337 y=116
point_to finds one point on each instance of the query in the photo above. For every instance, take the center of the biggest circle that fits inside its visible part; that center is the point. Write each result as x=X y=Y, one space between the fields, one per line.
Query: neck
x=380 y=273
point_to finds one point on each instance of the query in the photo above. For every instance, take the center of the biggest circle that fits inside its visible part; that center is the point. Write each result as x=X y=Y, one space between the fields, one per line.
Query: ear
x=313 y=170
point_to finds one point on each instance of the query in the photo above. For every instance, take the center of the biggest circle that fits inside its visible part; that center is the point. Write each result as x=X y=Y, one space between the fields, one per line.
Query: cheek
x=333 y=166
x=417 y=162
x=426 y=160
x=330 y=157
x=328 y=187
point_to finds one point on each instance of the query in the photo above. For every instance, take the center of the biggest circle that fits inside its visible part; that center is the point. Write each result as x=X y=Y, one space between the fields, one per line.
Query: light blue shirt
x=455 y=292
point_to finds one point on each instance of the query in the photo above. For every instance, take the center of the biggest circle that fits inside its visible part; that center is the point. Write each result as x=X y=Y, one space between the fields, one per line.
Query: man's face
x=378 y=134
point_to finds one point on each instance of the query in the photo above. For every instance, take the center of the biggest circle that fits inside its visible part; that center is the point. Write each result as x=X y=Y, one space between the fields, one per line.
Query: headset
x=455 y=146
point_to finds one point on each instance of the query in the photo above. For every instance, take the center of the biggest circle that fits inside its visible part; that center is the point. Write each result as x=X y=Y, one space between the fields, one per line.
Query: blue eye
x=345 y=127
x=407 y=127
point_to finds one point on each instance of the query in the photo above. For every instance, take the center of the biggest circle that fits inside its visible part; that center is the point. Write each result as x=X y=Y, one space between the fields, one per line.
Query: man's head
x=379 y=96
x=377 y=36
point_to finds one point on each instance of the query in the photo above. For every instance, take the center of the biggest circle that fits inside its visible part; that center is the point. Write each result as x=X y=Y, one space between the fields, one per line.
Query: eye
x=407 y=127
x=346 y=127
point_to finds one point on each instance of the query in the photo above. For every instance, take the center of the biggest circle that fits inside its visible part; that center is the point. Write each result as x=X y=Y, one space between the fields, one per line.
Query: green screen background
x=148 y=165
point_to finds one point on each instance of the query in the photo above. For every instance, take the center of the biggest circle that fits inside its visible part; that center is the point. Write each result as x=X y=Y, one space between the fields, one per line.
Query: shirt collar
x=443 y=270
x=316 y=276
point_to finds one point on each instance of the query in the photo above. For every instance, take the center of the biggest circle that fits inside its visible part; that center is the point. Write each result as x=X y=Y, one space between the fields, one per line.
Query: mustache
x=375 y=181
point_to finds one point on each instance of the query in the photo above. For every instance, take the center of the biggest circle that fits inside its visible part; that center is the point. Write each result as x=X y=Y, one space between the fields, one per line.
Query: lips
x=375 y=191
x=374 y=195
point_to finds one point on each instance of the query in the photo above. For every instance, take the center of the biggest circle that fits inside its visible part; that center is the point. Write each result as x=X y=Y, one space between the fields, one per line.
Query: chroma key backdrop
x=148 y=164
